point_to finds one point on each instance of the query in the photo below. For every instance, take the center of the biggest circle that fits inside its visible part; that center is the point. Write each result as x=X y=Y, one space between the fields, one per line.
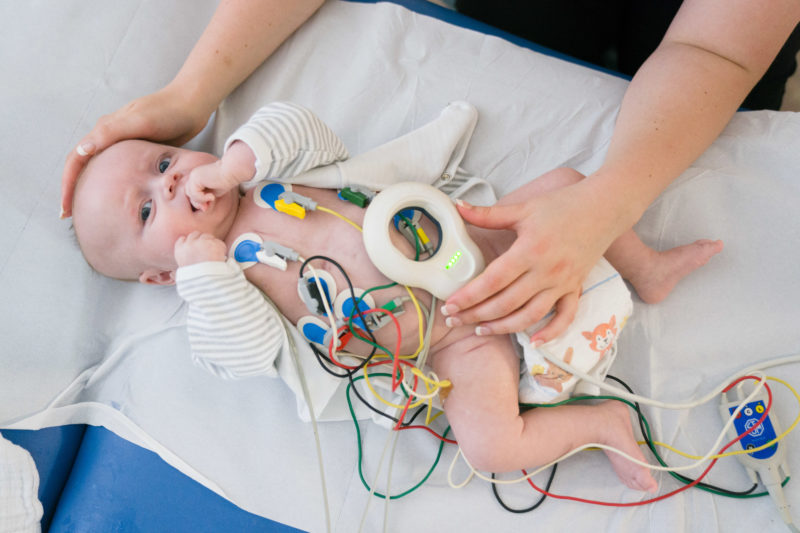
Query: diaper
x=588 y=344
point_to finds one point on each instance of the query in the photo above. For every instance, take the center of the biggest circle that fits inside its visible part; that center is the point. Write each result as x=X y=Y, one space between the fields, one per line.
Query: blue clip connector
x=250 y=249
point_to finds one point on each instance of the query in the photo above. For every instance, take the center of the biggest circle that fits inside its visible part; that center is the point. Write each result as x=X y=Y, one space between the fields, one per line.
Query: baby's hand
x=208 y=182
x=204 y=185
x=199 y=247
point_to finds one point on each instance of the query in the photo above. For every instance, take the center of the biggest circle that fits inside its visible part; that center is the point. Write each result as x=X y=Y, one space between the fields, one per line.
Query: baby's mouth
x=191 y=205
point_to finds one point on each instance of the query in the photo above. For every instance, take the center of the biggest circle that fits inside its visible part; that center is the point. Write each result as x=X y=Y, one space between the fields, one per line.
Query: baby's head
x=130 y=207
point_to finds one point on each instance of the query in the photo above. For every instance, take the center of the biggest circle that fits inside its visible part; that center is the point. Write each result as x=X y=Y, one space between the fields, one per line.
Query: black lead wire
x=680 y=477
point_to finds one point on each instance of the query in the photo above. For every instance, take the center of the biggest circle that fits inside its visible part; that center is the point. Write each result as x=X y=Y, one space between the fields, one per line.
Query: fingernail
x=452 y=322
x=61 y=215
x=84 y=149
x=536 y=342
x=449 y=309
x=482 y=330
x=462 y=203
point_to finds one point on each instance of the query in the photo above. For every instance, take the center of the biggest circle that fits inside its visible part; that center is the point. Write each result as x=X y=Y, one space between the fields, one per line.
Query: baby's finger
x=534 y=310
x=565 y=310
x=179 y=242
x=199 y=197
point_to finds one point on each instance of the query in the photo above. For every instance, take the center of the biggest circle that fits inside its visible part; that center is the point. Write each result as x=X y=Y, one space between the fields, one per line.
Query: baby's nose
x=171 y=183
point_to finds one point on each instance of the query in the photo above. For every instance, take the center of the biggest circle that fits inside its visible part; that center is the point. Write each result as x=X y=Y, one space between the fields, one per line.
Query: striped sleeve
x=288 y=139
x=233 y=331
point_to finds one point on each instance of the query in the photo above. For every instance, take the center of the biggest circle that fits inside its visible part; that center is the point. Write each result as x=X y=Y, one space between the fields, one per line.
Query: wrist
x=198 y=103
x=238 y=163
x=616 y=206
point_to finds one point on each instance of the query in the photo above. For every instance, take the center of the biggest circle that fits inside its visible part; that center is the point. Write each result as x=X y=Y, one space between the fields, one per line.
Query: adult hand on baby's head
x=199 y=247
x=164 y=116
x=559 y=240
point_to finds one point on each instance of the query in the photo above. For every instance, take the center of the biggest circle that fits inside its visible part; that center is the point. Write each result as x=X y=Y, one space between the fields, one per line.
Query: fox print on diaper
x=602 y=338
x=587 y=345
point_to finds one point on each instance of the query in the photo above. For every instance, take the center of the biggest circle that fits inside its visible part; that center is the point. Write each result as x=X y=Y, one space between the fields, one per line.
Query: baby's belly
x=336 y=247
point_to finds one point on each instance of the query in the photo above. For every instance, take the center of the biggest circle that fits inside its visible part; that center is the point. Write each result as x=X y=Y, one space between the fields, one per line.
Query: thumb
x=491 y=217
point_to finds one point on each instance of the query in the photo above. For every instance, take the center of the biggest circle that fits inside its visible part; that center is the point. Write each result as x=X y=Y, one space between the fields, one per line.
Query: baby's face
x=130 y=208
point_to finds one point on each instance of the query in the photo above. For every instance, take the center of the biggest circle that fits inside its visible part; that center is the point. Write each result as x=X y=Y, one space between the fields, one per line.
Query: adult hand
x=164 y=116
x=561 y=234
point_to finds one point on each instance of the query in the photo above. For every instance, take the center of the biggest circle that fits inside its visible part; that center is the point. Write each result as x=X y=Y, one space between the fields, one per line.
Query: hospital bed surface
x=96 y=379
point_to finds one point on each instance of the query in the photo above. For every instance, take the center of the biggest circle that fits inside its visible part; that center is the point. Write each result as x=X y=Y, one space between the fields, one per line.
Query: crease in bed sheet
x=100 y=414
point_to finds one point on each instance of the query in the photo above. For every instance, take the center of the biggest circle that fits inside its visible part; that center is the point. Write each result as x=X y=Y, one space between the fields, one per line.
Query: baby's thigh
x=484 y=372
x=549 y=181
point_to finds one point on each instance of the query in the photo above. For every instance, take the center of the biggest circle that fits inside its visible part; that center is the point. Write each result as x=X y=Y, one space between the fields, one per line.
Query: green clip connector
x=354 y=197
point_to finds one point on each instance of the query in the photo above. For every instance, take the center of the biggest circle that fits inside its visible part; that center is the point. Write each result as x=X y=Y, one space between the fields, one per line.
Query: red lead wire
x=680 y=489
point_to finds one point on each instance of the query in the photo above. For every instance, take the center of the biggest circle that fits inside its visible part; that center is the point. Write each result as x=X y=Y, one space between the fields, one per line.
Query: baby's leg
x=652 y=273
x=483 y=411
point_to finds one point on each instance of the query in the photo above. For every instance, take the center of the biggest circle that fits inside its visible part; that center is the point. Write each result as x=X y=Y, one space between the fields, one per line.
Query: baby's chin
x=224 y=209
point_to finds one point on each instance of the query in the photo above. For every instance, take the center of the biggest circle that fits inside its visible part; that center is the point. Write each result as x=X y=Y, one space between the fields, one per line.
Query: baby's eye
x=163 y=165
x=144 y=214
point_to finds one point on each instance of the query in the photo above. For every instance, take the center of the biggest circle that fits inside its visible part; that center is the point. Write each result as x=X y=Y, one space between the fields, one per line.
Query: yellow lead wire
x=740 y=452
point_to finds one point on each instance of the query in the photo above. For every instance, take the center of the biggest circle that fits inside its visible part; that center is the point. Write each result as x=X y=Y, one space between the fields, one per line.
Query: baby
x=165 y=215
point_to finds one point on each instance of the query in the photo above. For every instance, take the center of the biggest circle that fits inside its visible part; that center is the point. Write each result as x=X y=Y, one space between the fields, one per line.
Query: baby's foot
x=620 y=436
x=657 y=279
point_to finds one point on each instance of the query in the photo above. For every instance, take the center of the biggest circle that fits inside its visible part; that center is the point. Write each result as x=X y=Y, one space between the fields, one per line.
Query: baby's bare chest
x=333 y=246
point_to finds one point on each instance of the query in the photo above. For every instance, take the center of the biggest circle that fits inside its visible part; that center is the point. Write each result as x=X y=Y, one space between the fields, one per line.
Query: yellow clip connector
x=422 y=237
x=296 y=210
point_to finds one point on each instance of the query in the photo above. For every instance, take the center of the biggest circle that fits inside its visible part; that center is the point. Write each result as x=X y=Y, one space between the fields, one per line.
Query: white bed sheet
x=81 y=348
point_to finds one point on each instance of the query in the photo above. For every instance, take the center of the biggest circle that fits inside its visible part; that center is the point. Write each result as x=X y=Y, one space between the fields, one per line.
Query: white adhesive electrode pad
x=457 y=259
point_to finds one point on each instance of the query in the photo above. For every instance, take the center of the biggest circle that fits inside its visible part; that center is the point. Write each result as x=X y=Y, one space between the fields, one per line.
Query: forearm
x=239 y=37
x=683 y=96
x=233 y=331
x=672 y=111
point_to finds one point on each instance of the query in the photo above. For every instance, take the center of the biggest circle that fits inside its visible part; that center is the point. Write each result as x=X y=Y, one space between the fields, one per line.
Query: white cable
x=421 y=357
x=388 y=498
x=697 y=463
x=781 y=360
x=307 y=397
x=322 y=293
x=375 y=481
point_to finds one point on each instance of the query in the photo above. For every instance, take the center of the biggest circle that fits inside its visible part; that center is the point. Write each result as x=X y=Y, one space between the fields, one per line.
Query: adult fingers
x=497 y=276
x=491 y=217
x=74 y=165
x=534 y=310
x=565 y=310
x=504 y=302
x=108 y=130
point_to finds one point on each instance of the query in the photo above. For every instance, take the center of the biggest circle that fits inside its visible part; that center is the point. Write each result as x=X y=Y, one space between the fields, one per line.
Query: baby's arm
x=233 y=331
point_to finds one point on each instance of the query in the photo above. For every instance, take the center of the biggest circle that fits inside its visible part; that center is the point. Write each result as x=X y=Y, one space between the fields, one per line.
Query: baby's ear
x=153 y=276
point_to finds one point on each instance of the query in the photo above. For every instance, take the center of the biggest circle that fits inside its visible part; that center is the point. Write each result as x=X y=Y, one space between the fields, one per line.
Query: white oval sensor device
x=457 y=259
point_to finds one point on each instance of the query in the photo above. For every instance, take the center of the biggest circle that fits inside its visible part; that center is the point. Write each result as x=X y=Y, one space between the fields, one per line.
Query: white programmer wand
x=457 y=259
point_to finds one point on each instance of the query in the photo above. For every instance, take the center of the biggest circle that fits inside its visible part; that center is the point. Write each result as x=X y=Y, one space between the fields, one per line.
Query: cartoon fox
x=601 y=339
x=555 y=377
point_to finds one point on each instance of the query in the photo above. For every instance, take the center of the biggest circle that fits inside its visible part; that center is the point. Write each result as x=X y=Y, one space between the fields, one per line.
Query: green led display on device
x=453 y=260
